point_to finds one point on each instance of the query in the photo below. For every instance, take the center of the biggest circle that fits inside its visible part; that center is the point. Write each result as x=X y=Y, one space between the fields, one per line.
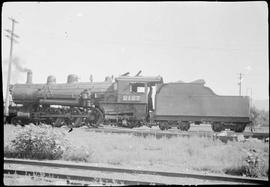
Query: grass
x=174 y=154
x=15 y=179
x=40 y=180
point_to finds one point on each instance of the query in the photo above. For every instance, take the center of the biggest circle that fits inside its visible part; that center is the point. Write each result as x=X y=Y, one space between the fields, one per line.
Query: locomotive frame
x=129 y=101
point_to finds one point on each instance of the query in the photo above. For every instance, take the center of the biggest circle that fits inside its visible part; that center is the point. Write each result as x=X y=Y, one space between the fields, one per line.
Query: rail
x=73 y=166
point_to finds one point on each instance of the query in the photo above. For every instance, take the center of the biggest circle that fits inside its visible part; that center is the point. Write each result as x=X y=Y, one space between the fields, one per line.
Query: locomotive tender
x=129 y=101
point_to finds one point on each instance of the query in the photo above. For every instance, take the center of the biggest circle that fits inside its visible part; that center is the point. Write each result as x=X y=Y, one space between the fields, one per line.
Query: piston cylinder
x=23 y=114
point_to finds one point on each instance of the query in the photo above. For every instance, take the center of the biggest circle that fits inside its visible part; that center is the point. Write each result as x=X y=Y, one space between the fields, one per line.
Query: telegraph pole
x=250 y=95
x=240 y=81
x=11 y=36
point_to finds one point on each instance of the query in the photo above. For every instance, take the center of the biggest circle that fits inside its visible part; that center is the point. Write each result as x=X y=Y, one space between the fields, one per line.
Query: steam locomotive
x=128 y=101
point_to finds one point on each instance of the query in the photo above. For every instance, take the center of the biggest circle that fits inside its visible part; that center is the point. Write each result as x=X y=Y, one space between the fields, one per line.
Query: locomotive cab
x=138 y=90
x=134 y=100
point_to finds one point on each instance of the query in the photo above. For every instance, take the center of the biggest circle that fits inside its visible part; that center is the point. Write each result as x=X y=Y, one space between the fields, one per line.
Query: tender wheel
x=239 y=127
x=164 y=126
x=183 y=126
x=217 y=127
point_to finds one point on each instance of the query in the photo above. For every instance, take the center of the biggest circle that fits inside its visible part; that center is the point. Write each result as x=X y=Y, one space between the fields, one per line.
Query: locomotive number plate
x=131 y=98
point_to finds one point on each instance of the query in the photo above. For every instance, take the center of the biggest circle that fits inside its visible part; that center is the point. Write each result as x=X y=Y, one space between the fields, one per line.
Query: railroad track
x=175 y=132
x=169 y=134
x=116 y=175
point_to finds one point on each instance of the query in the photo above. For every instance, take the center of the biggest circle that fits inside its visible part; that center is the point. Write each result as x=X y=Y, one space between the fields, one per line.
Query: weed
x=37 y=142
x=176 y=153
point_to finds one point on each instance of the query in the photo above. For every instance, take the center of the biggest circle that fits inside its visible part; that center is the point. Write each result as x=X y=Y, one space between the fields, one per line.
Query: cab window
x=137 y=87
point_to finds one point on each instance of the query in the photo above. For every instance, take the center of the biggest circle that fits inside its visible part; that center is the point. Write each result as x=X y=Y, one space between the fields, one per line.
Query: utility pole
x=240 y=81
x=249 y=89
x=11 y=36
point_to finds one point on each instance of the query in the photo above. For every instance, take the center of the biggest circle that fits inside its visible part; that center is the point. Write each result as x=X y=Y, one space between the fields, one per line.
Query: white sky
x=185 y=41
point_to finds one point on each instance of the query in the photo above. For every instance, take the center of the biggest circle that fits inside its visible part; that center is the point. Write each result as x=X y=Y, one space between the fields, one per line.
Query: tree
x=259 y=117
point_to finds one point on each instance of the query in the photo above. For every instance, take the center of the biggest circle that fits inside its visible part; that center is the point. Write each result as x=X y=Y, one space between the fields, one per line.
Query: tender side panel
x=184 y=99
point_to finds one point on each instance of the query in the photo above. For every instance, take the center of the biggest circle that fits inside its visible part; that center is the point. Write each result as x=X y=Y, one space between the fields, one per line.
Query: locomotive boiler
x=127 y=101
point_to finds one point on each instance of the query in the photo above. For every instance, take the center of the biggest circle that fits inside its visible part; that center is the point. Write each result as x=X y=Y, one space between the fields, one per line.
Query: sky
x=214 y=41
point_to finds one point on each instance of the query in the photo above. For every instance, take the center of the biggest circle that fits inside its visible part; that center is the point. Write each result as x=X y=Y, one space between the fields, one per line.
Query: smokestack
x=91 y=78
x=29 y=77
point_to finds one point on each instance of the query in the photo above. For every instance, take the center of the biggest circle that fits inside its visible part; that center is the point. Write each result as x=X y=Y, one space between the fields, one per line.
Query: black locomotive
x=127 y=101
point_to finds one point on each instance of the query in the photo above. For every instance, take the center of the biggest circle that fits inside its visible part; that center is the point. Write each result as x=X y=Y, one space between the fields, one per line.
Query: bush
x=259 y=117
x=37 y=142
x=254 y=164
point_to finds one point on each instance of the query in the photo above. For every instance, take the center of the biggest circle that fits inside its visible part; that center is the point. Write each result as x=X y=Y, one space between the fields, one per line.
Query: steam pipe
x=65 y=102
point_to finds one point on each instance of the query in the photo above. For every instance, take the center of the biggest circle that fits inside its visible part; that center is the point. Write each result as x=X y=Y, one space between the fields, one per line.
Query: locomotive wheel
x=19 y=121
x=75 y=121
x=16 y=121
x=125 y=123
x=217 y=127
x=68 y=122
x=58 y=122
x=98 y=116
x=134 y=124
x=137 y=124
x=78 y=122
x=120 y=123
x=95 y=118
x=183 y=125
x=48 y=121
x=107 y=122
